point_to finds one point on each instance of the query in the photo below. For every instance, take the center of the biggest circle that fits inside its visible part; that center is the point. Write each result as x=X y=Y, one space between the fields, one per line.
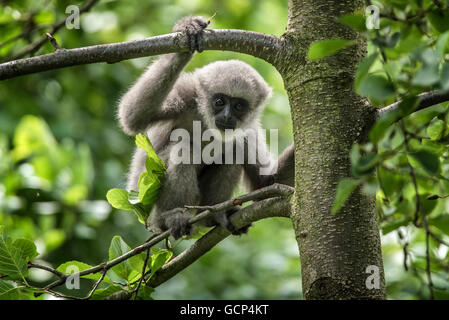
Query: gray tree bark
x=328 y=118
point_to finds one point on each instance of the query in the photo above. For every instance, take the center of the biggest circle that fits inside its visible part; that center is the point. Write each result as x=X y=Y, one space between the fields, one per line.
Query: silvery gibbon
x=222 y=95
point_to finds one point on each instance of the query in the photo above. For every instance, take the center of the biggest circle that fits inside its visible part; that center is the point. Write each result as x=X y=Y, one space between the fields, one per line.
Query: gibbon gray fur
x=223 y=94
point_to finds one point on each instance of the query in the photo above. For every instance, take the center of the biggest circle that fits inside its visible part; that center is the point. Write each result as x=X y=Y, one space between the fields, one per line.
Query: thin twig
x=426 y=99
x=103 y=274
x=46 y=268
x=53 y=41
x=413 y=176
x=438 y=239
x=33 y=47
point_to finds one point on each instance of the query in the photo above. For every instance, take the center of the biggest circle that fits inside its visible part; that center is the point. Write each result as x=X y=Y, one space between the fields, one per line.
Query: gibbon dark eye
x=219 y=102
x=238 y=107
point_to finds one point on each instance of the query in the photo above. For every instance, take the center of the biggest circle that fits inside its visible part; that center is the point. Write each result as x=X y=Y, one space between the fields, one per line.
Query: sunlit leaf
x=27 y=247
x=8 y=291
x=13 y=262
x=323 y=48
x=155 y=163
x=118 y=198
x=436 y=128
x=354 y=21
x=149 y=186
x=159 y=258
x=130 y=269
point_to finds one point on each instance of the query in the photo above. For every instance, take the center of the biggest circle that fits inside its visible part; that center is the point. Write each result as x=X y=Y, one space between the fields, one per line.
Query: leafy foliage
x=149 y=184
x=407 y=149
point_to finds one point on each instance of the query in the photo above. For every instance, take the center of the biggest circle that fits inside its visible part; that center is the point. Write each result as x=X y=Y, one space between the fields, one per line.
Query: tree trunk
x=328 y=118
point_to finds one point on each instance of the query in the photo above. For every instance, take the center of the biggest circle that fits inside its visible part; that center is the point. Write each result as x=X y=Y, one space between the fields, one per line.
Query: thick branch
x=266 y=47
x=273 y=207
x=426 y=99
x=275 y=192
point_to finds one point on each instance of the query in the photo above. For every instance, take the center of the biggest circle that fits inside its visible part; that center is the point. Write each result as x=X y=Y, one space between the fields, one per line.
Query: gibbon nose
x=227 y=115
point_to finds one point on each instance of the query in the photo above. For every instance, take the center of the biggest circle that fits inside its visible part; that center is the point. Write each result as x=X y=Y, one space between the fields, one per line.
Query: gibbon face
x=228 y=111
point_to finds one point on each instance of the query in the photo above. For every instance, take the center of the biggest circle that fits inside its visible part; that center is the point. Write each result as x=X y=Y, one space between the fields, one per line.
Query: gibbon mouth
x=223 y=125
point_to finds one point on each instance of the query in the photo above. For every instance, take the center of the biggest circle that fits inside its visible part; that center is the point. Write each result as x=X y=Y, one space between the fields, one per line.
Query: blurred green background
x=61 y=150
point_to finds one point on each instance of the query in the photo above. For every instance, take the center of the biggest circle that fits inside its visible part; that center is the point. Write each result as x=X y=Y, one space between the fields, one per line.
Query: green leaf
x=145 y=293
x=323 y=48
x=389 y=117
x=8 y=291
x=392 y=182
x=12 y=260
x=388 y=41
x=436 y=128
x=27 y=247
x=70 y=267
x=427 y=160
x=382 y=124
x=101 y=294
x=129 y=269
x=365 y=164
x=439 y=19
x=142 y=212
x=389 y=226
x=427 y=205
x=154 y=163
x=363 y=69
x=344 y=189
x=159 y=258
x=407 y=43
x=149 y=186
x=441 y=45
x=376 y=87
x=118 y=198
x=354 y=21
x=133 y=197
x=441 y=222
